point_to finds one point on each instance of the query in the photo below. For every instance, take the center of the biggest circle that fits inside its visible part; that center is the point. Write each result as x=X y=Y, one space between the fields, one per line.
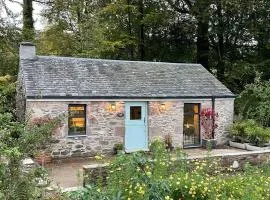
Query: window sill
x=76 y=136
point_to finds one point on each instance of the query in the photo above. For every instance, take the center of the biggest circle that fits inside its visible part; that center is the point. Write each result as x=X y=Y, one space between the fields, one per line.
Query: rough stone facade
x=105 y=128
x=225 y=110
x=167 y=122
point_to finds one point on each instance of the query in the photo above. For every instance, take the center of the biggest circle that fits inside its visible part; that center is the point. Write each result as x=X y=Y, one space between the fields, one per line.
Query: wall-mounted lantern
x=162 y=107
x=113 y=106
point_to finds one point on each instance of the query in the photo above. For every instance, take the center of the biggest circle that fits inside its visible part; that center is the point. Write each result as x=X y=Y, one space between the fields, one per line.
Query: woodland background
x=230 y=38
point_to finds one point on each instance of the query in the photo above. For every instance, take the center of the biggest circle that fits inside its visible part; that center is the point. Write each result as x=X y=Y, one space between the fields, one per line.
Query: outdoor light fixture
x=162 y=107
x=113 y=106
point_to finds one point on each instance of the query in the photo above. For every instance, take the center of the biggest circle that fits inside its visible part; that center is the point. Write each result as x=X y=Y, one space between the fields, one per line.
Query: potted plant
x=118 y=148
x=208 y=123
x=238 y=135
x=168 y=142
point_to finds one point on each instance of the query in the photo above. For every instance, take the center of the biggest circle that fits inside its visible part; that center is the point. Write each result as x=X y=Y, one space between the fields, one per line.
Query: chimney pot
x=27 y=50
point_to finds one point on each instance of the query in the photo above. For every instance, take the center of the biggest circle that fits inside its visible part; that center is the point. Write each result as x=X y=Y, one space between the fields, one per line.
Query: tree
x=200 y=10
x=28 y=22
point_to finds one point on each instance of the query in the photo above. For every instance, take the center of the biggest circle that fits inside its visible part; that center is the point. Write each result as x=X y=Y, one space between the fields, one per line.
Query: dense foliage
x=160 y=175
x=250 y=131
x=18 y=141
x=230 y=38
x=254 y=102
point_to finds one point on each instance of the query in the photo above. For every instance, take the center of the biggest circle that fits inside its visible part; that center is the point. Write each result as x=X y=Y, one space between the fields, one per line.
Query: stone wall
x=239 y=160
x=105 y=128
x=225 y=110
x=166 y=122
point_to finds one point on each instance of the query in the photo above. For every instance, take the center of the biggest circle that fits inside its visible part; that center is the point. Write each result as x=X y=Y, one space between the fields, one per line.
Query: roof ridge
x=113 y=60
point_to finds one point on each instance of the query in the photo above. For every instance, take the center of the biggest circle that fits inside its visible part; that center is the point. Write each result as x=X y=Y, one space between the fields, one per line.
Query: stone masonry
x=225 y=110
x=105 y=128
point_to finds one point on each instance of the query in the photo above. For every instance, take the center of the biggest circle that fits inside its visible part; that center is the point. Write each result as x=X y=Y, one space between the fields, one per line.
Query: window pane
x=196 y=108
x=188 y=108
x=191 y=124
x=77 y=120
x=135 y=112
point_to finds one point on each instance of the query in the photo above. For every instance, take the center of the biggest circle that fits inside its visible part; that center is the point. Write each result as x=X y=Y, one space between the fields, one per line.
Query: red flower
x=208 y=119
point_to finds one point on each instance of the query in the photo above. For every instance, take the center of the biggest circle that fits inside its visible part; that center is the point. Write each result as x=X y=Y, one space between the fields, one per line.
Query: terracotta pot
x=43 y=158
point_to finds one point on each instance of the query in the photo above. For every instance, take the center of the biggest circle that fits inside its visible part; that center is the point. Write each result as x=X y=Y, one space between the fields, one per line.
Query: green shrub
x=238 y=130
x=254 y=102
x=250 y=131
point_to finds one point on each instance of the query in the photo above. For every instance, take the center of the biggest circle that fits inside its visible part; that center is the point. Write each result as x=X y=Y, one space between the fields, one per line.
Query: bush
x=18 y=141
x=159 y=176
x=250 y=131
x=7 y=94
x=254 y=102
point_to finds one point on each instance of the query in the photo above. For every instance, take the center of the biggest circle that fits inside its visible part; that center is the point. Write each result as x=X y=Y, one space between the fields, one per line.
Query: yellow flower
x=97 y=157
x=173 y=159
x=98 y=189
x=167 y=198
x=148 y=173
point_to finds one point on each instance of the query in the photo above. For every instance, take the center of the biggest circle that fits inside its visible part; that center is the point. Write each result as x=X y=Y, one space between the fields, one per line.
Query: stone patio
x=68 y=174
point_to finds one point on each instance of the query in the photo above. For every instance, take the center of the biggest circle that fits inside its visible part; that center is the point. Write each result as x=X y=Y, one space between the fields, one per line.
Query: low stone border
x=237 y=160
x=91 y=173
x=247 y=146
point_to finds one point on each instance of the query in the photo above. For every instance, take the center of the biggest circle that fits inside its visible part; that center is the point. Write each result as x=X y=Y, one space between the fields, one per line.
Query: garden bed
x=161 y=175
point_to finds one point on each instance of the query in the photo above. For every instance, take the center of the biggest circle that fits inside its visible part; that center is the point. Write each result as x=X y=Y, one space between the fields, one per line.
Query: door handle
x=144 y=119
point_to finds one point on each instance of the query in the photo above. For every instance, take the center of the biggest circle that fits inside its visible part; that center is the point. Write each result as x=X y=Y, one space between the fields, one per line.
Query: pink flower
x=208 y=122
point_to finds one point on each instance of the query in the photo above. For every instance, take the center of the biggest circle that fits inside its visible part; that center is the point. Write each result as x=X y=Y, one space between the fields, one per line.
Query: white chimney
x=27 y=50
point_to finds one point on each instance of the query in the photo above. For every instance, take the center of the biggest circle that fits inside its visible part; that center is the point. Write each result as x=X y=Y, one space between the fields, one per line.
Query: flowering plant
x=208 y=122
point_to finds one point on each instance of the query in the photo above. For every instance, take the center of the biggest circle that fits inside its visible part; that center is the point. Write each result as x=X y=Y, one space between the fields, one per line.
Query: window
x=191 y=124
x=77 y=119
x=135 y=112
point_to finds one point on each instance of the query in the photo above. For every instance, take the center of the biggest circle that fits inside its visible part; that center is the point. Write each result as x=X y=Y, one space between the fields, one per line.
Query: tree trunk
x=131 y=50
x=141 y=36
x=203 y=44
x=221 y=63
x=200 y=11
x=28 y=22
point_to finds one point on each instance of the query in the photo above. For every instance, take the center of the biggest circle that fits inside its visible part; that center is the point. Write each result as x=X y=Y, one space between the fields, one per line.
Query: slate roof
x=62 y=77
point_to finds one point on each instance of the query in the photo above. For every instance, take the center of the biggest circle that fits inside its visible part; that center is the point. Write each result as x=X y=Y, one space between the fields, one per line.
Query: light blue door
x=136 y=126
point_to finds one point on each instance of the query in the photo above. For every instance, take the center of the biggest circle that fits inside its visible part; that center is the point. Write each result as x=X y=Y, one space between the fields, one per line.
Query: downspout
x=213 y=109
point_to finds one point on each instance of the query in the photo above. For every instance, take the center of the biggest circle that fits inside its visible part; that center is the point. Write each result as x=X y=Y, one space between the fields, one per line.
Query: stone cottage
x=106 y=102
